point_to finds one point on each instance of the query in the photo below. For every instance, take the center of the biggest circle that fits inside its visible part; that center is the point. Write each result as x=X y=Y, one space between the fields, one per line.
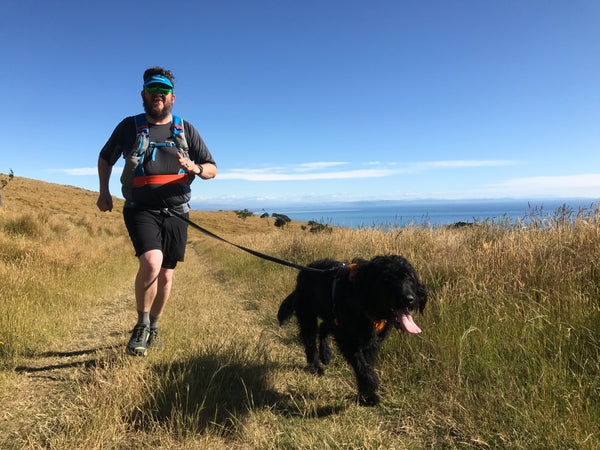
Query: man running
x=163 y=154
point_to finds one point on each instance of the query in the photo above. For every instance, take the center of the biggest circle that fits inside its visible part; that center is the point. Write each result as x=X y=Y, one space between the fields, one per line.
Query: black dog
x=359 y=303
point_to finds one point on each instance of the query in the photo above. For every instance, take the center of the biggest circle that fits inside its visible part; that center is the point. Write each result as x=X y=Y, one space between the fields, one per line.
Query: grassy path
x=44 y=386
x=57 y=396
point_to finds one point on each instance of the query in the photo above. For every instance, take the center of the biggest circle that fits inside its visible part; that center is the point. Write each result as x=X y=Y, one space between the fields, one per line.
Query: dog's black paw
x=368 y=400
x=325 y=354
x=315 y=370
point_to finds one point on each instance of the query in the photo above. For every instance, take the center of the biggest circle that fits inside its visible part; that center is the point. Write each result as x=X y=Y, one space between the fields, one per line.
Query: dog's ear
x=423 y=294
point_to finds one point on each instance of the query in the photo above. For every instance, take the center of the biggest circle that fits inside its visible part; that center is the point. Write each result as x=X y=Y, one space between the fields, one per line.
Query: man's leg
x=146 y=281
x=146 y=292
x=163 y=291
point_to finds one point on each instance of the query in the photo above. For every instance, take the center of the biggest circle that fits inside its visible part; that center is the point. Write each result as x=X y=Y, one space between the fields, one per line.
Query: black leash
x=283 y=262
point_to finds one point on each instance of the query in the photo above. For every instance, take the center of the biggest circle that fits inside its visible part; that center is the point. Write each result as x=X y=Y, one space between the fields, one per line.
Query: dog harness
x=353 y=268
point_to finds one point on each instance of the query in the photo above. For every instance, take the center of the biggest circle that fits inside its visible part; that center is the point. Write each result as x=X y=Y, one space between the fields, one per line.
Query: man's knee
x=151 y=261
x=166 y=275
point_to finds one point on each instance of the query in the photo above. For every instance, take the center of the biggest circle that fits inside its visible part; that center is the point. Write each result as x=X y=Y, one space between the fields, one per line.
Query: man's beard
x=155 y=114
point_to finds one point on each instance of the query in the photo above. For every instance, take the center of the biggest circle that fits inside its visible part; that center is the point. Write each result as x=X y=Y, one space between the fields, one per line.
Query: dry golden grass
x=509 y=356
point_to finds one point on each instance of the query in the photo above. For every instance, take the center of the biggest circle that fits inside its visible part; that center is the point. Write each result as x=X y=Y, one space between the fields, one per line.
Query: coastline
x=423 y=212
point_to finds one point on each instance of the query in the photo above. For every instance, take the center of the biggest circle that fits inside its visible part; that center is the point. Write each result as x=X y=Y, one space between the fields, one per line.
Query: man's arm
x=208 y=171
x=121 y=138
x=105 y=202
x=199 y=154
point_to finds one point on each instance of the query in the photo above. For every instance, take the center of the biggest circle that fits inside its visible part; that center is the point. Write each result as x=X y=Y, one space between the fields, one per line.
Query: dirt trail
x=44 y=387
x=45 y=384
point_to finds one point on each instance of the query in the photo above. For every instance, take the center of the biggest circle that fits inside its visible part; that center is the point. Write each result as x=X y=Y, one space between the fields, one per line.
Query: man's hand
x=187 y=164
x=105 y=201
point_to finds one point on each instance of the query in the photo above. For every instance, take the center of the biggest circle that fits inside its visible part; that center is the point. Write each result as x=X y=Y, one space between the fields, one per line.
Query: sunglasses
x=154 y=89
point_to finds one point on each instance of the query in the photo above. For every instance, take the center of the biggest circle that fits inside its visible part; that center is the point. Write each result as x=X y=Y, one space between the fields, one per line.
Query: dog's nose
x=411 y=300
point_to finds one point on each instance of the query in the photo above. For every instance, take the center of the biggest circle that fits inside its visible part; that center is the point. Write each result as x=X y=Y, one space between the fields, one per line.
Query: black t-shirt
x=158 y=161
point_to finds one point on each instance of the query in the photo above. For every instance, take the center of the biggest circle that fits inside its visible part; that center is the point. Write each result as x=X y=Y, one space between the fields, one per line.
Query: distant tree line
x=281 y=220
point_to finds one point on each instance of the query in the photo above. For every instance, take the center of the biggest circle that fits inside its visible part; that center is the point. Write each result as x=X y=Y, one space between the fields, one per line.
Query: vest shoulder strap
x=179 y=135
x=142 y=140
x=177 y=124
x=141 y=126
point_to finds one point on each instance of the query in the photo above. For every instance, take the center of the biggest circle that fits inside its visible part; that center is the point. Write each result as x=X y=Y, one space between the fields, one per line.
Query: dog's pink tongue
x=407 y=322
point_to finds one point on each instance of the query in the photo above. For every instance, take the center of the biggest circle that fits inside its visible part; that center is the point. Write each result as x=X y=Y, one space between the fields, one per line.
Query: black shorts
x=152 y=230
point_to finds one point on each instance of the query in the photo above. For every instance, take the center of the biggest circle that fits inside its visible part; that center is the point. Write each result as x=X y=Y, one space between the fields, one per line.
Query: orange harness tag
x=379 y=325
x=353 y=269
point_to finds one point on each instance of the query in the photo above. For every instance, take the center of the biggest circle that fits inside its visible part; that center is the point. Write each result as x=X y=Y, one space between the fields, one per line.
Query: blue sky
x=318 y=101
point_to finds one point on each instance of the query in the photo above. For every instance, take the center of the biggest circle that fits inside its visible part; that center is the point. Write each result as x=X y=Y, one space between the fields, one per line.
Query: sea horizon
x=390 y=213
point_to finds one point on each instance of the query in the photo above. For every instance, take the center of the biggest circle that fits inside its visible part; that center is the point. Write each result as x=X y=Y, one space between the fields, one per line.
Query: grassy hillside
x=509 y=356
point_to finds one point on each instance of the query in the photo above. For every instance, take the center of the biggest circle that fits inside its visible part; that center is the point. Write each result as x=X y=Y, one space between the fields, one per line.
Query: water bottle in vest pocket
x=135 y=157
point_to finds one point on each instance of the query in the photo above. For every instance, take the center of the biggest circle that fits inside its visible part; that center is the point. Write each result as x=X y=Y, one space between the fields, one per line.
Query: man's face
x=158 y=101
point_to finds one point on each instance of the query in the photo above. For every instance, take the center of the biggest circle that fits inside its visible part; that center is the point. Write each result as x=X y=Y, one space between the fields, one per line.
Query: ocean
x=430 y=213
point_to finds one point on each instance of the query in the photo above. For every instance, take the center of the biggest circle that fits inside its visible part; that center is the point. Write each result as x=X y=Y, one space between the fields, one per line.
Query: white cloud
x=319 y=165
x=567 y=185
x=303 y=172
x=258 y=175
x=80 y=171
x=467 y=163
x=584 y=180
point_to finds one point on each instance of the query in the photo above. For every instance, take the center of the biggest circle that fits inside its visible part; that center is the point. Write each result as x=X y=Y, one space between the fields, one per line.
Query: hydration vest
x=133 y=172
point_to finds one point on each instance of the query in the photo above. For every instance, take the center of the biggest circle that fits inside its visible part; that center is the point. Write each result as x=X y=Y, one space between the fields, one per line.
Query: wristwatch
x=201 y=170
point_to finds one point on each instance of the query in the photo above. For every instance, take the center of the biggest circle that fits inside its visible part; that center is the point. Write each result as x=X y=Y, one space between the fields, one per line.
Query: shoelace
x=139 y=330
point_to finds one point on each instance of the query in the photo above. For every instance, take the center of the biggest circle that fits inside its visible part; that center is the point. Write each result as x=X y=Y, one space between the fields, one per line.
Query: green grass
x=509 y=356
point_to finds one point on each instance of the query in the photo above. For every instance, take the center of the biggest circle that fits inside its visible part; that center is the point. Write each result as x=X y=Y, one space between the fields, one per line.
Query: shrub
x=244 y=214
x=281 y=220
x=317 y=227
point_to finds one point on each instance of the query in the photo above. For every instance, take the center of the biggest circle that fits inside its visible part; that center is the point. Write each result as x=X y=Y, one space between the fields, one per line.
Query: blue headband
x=153 y=79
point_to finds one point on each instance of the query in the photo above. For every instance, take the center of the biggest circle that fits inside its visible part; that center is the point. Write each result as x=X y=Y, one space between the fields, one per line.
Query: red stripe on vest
x=160 y=179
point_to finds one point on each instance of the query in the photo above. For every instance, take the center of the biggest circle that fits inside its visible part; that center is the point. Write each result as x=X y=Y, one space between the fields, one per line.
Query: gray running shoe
x=154 y=339
x=138 y=342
